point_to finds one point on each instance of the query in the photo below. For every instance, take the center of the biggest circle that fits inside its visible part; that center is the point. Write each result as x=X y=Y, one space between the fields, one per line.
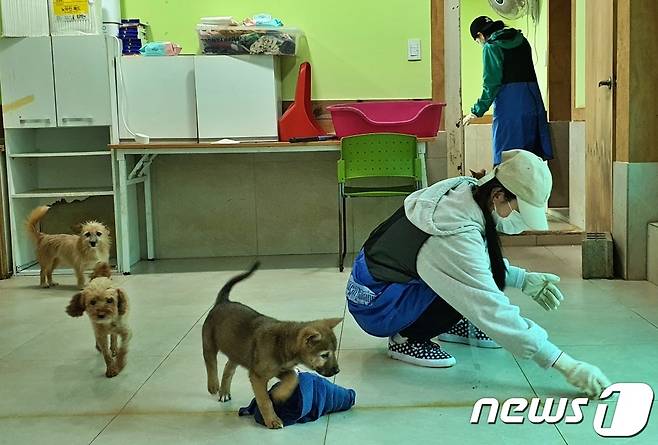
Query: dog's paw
x=111 y=372
x=53 y=284
x=224 y=396
x=213 y=387
x=44 y=285
x=274 y=423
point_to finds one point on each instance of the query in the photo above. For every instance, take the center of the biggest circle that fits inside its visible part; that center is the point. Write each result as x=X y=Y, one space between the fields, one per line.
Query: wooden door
x=600 y=90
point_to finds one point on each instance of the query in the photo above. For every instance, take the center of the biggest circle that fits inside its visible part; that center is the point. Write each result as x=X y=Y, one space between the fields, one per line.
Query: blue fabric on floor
x=314 y=397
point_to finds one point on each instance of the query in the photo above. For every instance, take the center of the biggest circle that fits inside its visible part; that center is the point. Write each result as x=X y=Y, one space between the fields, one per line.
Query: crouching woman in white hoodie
x=435 y=268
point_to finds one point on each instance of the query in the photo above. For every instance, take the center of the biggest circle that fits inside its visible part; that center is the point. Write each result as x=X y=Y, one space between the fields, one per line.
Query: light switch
x=413 y=49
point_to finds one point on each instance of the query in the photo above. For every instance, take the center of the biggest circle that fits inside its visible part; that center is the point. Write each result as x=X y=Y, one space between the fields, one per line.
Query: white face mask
x=512 y=224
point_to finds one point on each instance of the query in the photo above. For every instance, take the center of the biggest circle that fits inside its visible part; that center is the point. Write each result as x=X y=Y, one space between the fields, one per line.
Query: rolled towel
x=314 y=397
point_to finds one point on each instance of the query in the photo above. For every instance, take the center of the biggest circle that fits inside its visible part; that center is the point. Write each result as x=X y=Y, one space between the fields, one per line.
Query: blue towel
x=314 y=397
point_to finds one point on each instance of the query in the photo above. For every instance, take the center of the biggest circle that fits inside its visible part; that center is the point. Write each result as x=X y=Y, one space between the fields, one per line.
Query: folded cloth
x=314 y=397
x=160 y=49
x=262 y=20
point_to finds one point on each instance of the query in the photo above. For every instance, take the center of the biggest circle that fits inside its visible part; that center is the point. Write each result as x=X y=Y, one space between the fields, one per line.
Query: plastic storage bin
x=416 y=117
x=75 y=17
x=237 y=40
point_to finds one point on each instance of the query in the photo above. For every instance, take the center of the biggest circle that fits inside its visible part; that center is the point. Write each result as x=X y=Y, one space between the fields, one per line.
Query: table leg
x=422 y=151
x=148 y=213
x=123 y=234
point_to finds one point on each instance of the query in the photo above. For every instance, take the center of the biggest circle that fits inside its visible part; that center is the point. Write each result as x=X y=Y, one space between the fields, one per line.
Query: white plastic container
x=73 y=17
x=111 y=17
x=24 y=18
x=248 y=40
x=223 y=21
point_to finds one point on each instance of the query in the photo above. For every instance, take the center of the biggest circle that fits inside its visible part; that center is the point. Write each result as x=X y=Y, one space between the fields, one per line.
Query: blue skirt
x=384 y=309
x=519 y=121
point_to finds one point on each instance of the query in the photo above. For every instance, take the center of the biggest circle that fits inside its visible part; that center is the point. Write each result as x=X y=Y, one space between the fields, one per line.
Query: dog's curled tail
x=33 y=221
x=222 y=297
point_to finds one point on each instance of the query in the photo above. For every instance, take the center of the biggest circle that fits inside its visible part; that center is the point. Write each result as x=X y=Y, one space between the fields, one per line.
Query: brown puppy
x=78 y=251
x=106 y=307
x=266 y=347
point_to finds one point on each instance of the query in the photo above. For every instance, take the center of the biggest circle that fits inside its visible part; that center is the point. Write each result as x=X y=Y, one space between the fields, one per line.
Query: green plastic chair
x=379 y=155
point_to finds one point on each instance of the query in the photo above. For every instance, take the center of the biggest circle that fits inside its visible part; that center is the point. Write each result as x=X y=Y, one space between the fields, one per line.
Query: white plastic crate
x=248 y=40
x=72 y=17
x=24 y=18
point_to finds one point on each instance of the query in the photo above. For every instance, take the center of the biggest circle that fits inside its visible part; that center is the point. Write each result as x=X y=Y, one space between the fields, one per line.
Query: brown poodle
x=107 y=308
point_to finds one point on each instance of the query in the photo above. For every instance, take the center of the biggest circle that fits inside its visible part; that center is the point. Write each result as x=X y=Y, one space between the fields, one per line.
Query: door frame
x=599 y=159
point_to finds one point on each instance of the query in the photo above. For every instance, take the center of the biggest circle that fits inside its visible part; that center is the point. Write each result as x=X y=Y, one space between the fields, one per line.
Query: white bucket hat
x=528 y=177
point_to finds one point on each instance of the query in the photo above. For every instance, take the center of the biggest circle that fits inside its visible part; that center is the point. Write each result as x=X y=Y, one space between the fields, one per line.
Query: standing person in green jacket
x=510 y=84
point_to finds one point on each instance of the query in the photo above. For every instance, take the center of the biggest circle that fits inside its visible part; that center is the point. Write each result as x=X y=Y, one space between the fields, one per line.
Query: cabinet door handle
x=77 y=119
x=606 y=83
x=28 y=121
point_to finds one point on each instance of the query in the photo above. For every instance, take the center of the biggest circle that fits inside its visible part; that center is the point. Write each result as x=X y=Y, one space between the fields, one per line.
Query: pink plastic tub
x=417 y=117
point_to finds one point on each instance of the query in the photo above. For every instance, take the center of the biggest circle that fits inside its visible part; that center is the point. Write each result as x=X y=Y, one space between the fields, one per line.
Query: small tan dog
x=266 y=347
x=80 y=252
x=107 y=307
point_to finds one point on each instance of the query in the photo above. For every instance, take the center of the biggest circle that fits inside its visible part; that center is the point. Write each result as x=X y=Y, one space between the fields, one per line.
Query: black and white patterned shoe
x=426 y=353
x=467 y=333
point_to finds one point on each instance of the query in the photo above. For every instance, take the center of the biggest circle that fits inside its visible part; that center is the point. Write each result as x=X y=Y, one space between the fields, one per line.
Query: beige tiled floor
x=52 y=387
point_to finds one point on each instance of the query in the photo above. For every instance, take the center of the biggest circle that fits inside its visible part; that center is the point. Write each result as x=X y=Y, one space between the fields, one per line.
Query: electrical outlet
x=413 y=49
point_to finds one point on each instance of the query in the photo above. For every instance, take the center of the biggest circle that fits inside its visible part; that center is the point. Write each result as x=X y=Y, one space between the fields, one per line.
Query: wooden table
x=128 y=229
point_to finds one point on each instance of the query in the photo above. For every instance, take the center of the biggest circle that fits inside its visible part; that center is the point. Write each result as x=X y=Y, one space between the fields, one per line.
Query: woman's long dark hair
x=495 y=26
x=482 y=197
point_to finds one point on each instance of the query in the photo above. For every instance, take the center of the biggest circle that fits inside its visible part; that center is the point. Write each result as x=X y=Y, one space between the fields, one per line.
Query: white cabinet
x=59 y=81
x=159 y=98
x=82 y=81
x=237 y=96
x=58 y=122
x=26 y=75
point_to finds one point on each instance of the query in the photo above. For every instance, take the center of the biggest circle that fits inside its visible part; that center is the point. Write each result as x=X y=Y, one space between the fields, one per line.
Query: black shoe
x=467 y=333
x=426 y=353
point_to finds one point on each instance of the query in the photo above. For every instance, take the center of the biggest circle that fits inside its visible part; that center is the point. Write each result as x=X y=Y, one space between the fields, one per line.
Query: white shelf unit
x=70 y=154
x=58 y=131
x=39 y=174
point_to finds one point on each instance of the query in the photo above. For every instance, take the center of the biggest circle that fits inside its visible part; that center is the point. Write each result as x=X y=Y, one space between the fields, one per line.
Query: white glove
x=541 y=288
x=587 y=378
x=466 y=120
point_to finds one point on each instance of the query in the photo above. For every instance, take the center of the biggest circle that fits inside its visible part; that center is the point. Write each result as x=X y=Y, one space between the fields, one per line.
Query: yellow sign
x=71 y=7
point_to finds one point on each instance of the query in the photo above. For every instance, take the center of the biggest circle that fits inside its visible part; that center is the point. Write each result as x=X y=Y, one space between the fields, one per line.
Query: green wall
x=357 y=48
x=471 y=54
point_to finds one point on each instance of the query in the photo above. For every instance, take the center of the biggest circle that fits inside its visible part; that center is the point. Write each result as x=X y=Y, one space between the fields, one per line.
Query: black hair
x=482 y=196
x=486 y=26
x=495 y=26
